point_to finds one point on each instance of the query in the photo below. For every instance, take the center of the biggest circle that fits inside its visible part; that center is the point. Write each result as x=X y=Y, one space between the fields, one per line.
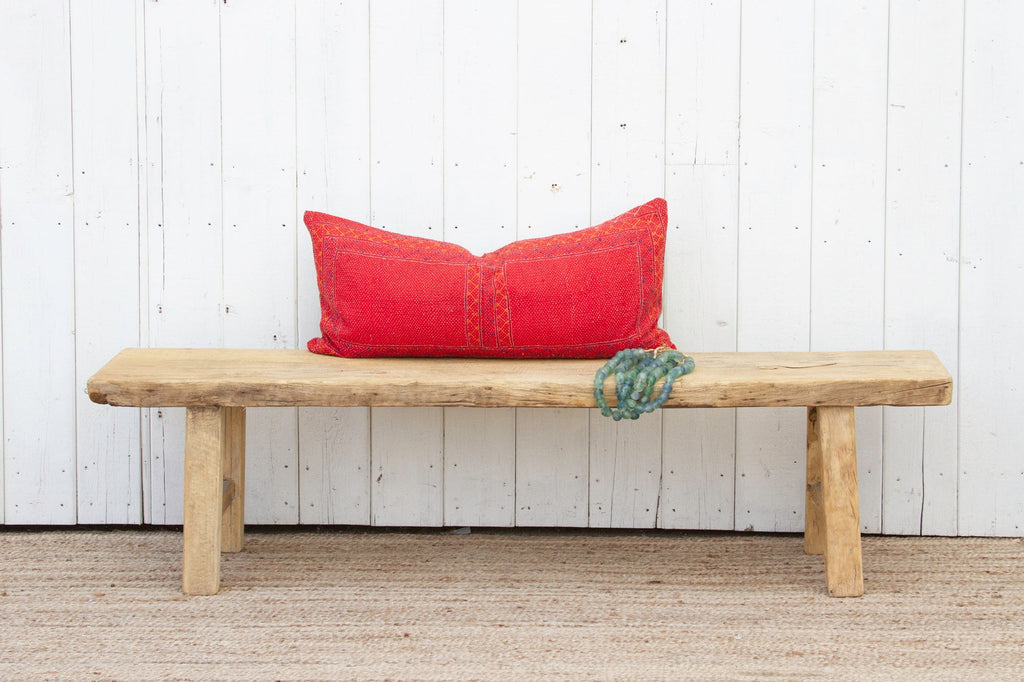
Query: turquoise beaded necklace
x=636 y=371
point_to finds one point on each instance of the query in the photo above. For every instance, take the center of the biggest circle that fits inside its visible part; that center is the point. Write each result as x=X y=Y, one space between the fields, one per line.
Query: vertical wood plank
x=991 y=478
x=625 y=472
x=406 y=131
x=335 y=465
x=628 y=102
x=184 y=210
x=554 y=117
x=479 y=214
x=480 y=124
x=627 y=169
x=551 y=467
x=2 y=485
x=848 y=205
x=332 y=92
x=408 y=468
x=702 y=131
x=258 y=152
x=142 y=193
x=773 y=249
x=204 y=458
x=406 y=117
x=922 y=235
x=554 y=195
x=106 y=201
x=837 y=442
x=479 y=466
x=37 y=268
x=6 y=21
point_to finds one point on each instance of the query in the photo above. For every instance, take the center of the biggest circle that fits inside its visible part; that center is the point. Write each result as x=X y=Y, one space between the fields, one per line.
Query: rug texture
x=360 y=605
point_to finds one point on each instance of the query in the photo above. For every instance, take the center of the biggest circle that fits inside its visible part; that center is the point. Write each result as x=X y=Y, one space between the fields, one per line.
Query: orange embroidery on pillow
x=502 y=321
x=474 y=331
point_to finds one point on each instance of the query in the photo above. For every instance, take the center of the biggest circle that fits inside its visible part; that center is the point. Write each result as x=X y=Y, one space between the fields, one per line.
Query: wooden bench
x=216 y=385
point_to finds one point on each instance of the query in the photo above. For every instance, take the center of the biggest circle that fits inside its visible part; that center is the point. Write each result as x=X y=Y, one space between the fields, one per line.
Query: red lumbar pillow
x=582 y=294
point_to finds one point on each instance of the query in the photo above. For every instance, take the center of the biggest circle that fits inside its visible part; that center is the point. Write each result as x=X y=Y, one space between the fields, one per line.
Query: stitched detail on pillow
x=556 y=300
x=385 y=302
x=502 y=318
x=489 y=334
x=474 y=302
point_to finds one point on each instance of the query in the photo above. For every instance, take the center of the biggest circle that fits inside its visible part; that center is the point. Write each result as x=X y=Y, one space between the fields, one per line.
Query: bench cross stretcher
x=216 y=385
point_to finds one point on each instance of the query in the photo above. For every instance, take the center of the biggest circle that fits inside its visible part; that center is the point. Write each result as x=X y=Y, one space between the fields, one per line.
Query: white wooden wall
x=840 y=175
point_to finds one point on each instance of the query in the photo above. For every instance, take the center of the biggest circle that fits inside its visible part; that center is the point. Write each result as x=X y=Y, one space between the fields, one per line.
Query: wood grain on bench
x=151 y=377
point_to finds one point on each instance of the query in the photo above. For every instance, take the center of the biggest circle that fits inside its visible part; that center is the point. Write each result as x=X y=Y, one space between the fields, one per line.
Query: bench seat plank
x=160 y=377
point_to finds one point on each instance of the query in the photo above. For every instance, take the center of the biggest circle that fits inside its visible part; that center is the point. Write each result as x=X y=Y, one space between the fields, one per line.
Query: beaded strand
x=636 y=372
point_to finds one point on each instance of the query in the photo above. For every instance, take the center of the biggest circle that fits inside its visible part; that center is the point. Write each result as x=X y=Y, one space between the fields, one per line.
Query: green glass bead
x=643 y=380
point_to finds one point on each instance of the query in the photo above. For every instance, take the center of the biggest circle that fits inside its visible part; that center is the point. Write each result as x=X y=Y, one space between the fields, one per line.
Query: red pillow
x=582 y=294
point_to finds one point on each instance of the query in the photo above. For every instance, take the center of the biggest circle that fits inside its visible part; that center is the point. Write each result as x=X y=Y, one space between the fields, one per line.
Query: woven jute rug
x=359 y=605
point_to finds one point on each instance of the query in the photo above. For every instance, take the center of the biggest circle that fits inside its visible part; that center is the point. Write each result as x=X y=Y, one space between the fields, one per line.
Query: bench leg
x=205 y=444
x=814 y=514
x=837 y=444
x=234 y=480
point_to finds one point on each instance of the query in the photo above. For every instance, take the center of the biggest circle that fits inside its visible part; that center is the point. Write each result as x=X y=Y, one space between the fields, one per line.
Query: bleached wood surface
x=38 y=266
x=232 y=377
x=106 y=203
x=922 y=232
x=991 y=432
x=164 y=124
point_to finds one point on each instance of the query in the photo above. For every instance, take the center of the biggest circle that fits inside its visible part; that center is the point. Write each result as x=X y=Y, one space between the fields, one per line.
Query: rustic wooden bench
x=216 y=385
